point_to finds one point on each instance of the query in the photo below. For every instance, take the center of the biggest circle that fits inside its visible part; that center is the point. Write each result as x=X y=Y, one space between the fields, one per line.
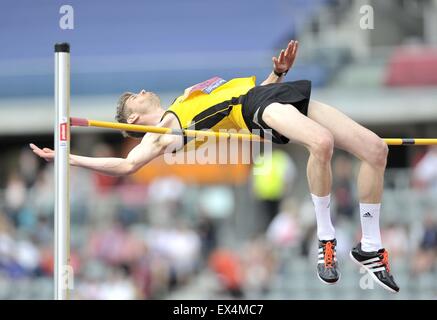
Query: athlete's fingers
x=295 y=47
x=276 y=63
x=34 y=148
x=281 y=56
x=288 y=50
x=38 y=151
x=292 y=56
x=45 y=153
x=292 y=42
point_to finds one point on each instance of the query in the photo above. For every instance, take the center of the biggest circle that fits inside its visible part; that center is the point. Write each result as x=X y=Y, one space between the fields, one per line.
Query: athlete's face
x=142 y=102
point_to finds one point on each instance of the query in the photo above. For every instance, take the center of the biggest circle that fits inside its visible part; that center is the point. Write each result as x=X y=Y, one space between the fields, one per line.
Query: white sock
x=325 y=229
x=371 y=237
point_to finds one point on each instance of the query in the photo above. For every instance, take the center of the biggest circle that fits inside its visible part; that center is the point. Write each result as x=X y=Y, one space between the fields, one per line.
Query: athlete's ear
x=132 y=118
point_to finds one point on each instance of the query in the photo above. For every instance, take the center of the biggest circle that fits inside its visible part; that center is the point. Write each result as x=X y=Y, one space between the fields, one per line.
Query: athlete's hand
x=286 y=58
x=45 y=153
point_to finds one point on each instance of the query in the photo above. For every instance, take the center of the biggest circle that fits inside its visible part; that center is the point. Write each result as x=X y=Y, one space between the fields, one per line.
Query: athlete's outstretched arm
x=151 y=146
x=283 y=62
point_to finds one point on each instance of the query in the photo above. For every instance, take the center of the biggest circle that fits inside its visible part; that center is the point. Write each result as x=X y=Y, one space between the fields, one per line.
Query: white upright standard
x=62 y=271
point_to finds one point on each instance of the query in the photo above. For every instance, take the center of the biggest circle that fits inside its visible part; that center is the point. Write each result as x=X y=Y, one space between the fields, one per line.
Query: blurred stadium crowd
x=131 y=241
x=169 y=237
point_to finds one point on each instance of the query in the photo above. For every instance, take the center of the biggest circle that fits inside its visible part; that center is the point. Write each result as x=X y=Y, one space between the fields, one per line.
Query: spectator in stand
x=15 y=197
x=425 y=172
x=42 y=197
x=207 y=230
x=272 y=180
x=396 y=236
x=228 y=267
x=425 y=258
x=260 y=264
x=27 y=167
x=284 y=231
x=343 y=185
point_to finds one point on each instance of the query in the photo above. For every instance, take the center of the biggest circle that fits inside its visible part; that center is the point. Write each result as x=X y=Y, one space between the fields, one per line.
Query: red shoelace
x=385 y=260
x=329 y=254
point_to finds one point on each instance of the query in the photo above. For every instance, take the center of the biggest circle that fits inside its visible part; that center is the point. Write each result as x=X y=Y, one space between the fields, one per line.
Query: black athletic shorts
x=258 y=98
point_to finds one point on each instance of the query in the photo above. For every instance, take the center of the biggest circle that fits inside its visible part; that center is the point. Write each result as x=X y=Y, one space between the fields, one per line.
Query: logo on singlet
x=208 y=86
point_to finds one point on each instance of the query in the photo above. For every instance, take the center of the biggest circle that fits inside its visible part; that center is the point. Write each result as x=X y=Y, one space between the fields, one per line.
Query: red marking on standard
x=79 y=122
x=63 y=136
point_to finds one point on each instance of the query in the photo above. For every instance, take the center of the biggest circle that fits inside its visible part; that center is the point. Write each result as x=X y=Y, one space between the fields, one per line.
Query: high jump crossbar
x=82 y=122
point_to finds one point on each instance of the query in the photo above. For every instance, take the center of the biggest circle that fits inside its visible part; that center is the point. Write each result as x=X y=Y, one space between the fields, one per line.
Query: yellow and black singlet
x=215 y=104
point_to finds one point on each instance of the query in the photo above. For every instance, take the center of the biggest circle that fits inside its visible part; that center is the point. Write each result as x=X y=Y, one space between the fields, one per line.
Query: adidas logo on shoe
x=367 y=215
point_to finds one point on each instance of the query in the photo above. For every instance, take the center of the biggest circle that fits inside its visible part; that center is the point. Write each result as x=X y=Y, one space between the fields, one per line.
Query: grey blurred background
x=166 y=235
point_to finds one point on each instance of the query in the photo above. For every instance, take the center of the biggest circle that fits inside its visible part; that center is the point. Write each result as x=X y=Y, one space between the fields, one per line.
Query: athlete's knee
x=271 y=115
x=376 y=152
x=323 y=146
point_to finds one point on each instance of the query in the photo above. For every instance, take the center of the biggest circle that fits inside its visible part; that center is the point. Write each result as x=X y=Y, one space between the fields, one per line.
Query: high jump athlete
x=287 y=112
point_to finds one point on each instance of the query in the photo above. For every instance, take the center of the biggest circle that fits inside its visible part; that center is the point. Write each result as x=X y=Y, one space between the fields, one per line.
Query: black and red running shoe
x=327 y=262
x=376 y=264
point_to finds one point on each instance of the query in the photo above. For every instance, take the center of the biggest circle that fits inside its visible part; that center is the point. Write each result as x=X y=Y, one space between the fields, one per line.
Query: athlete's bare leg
x=324 y=124
x=324 y=121
x=289 y=122
x=359 y=141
